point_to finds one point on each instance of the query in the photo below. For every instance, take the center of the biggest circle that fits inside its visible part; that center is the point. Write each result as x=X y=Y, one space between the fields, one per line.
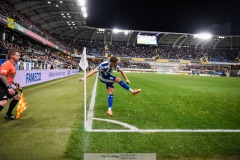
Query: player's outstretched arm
x=125 y=76
x=89 y=74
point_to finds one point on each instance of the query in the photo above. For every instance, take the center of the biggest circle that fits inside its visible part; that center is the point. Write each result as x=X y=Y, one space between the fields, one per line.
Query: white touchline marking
x=92 y=104
x=170 y=130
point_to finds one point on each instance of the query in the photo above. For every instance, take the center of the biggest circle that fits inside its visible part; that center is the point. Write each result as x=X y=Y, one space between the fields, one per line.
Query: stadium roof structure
x=179 y=40
x=51 y=14
x=64 y=19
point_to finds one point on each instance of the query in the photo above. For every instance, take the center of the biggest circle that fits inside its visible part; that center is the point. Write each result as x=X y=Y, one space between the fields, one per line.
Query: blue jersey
x=105 y=69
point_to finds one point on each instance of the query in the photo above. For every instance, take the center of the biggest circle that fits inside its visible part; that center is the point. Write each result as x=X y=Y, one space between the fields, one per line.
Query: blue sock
x=124 y=85
x=110 y=100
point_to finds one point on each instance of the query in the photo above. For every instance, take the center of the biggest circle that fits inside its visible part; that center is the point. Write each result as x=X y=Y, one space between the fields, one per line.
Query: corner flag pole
x=85 y=90
x=84 y=64
x=85 y=94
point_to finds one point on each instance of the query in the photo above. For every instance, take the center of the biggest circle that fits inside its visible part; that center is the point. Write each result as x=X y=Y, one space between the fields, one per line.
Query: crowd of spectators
x=162 y=52
x=8 y=11
x=128 y=64
x=206 y=69
x=39 y=54
x=123 y=64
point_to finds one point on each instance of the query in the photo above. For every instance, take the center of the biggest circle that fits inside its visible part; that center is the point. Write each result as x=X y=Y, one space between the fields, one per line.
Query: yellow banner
x=10 y=23
x=184 y=61
x=204 y=62
x=162 y=60
x=138 y=59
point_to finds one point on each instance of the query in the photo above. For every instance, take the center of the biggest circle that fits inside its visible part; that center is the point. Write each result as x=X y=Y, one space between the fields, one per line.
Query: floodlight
x=84 y=9
x=85 y=15
x=203 y=36
x=115 y=30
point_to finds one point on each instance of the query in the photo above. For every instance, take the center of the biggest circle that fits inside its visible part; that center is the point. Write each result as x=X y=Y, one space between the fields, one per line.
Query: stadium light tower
x=82 y=2
x=203 y=36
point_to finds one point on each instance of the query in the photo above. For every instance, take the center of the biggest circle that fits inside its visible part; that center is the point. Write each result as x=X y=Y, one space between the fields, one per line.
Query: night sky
x=191 y=16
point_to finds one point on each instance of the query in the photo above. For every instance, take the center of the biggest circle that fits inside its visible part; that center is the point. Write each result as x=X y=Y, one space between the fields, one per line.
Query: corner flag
x=22 y=105
x=83 y=62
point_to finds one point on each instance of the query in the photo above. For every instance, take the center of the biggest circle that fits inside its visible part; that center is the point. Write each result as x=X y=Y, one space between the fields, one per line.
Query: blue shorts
x=108 y=80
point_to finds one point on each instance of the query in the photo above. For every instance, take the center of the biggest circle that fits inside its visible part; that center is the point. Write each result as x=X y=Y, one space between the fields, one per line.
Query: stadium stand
x=61 y=47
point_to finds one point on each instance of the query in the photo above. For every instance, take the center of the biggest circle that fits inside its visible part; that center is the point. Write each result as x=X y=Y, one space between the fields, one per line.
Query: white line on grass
x=92 y=104
x=117 y=122
x=169 y=130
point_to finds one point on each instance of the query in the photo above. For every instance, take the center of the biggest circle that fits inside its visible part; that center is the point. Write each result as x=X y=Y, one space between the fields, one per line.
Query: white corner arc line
x=132 y=128
x=91 y=107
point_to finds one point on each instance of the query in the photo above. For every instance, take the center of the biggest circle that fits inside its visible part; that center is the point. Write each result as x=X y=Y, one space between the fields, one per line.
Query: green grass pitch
x=52 y=126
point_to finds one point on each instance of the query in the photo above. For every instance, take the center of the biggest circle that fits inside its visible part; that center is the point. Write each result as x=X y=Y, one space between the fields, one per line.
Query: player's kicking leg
x=124 y=85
